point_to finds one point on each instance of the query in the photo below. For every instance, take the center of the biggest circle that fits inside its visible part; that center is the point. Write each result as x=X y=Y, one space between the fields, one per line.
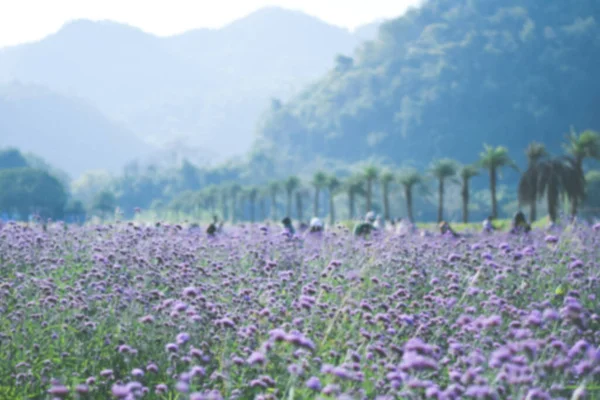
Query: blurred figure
x=316 y=225
x=214 y=227
x=488 y=226
x=446 y=229
x=519 y=224
x=288 y=227
x=379 y=224
x=365 y=228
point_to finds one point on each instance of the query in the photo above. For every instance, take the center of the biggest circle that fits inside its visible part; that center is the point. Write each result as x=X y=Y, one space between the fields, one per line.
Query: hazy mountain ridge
x=67 y=132
x=448 y=77
x=208 y=86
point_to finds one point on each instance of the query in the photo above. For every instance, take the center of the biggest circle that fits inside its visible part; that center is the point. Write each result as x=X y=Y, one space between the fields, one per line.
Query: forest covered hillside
x=445 y=78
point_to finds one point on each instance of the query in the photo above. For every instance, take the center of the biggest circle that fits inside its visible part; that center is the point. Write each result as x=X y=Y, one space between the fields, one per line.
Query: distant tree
x=189 y=176
x=551 y=178
x=291 y=184
x=27 y=191
x=75 y=211
x=12 y=158
x=252 y=193
x=370 y=175
x=343 y=63
x=387 y=178
x=535 y=152
x=211 y=194
x=493 y=159
x=354 y=186
x=104 y=203
x=409 y=178
x=592 y=193
x=300 y=194
x=582 y=146
x=319 y=182
x=333 y=186
x=466 y=173
x=223 y=199
x=274 y=188
x=234 y=191
x=442 y=170
x=263 y=195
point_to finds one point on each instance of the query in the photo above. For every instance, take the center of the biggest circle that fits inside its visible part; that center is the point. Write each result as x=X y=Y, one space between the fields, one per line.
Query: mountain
x=205 y=87
x=447 y=77
x=67 y=132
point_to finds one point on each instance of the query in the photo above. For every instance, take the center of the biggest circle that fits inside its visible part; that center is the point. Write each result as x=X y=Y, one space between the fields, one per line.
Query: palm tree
x=263 y=195
x=409 y=178
x=442 y=170
x=300 y=194
x=387 y=178
x=370 y=174
x=535 y=152
x=224 y=191
x=493 y=159
x=552 y=178
x=274 y=188
x=211 y=193
x=582 y=146
x=234 y=191
x=319 y=182
x=291 y=185
x=354 y=187
x=466 y=173
x=252 y=193
x=333 y=185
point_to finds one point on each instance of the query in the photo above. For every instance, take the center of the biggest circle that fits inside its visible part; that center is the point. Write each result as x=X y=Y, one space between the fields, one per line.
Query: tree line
x=30 y=188
x=546 y=177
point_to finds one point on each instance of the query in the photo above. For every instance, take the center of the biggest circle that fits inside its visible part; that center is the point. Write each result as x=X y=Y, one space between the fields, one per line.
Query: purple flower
x=182 y=338
x=313 y=383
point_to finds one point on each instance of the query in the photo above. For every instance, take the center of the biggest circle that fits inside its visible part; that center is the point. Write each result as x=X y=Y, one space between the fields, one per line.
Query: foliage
x=12 y=158
x=29 y=191
x=448 y=76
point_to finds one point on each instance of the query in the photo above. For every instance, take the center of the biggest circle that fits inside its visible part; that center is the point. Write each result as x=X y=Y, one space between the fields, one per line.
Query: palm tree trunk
x=351 y=201
x=273 y=206
x=409 y=203
x=316 y=204
x=233 y=208
x=465 y=202
x=299 y=208
x=386 y=201
x=440 y=214
x=331 y=210
x=533 y=211
x=224 y=213
x=369 y=194
x=252 y=204
x=552 y=196
x=289 y=204
x=493 y=192
x=262 y=206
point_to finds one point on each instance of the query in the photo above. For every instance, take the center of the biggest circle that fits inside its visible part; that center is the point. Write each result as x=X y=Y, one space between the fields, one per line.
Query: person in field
x=488 y=225
x=315 y=226
x=214 y=227
x=288 y=227
x=519 y=224
x=446 y=229
x=366 y=227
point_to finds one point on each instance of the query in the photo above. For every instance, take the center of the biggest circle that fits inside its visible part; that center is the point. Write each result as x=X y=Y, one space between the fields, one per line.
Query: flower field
x=164 y=312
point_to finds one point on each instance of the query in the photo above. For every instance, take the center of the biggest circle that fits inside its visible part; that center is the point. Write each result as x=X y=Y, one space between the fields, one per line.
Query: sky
x=29 y=20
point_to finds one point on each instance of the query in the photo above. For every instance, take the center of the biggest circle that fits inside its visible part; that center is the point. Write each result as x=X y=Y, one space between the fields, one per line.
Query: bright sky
x=28 y=20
